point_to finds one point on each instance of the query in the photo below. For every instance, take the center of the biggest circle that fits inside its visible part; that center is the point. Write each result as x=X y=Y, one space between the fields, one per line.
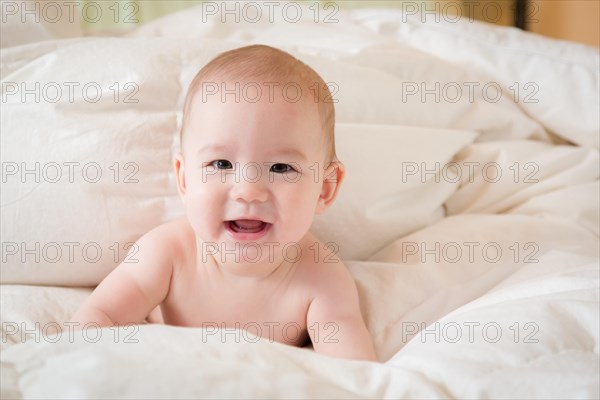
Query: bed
x=474 y=246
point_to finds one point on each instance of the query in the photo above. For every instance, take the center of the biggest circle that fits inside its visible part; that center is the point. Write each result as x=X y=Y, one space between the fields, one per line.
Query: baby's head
x=257 y=143
x=260 y=71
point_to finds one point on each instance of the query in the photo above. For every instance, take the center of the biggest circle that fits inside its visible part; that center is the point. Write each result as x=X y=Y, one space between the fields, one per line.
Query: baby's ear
x=334 y=175
x=180 y=175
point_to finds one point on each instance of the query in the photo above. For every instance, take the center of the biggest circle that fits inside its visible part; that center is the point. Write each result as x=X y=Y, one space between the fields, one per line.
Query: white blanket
x=473 y=285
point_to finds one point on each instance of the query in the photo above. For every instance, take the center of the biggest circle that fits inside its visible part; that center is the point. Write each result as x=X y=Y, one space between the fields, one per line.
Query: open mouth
x=247 y=228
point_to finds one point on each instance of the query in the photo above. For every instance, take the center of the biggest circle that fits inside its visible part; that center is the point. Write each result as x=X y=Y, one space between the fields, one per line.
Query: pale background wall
x=576 y=20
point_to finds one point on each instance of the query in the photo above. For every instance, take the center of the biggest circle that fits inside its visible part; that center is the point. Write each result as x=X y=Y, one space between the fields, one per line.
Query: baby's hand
x=334 y=320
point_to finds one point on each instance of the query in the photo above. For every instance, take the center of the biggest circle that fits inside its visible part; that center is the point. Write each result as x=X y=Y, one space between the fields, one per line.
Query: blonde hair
x=272 y=66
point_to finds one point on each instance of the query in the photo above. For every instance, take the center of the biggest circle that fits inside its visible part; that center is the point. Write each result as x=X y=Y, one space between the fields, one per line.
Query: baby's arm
x=134 y=288
x=334 y=320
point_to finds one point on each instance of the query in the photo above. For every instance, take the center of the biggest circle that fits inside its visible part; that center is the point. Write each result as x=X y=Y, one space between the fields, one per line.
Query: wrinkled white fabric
x=473 y=285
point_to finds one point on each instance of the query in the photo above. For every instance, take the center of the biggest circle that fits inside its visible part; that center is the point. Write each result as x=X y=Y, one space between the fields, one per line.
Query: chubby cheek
x=204 y=208
x=297 y=203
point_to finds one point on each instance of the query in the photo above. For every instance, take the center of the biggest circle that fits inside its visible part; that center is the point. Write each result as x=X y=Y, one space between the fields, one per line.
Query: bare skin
x=295 y=296
x=280 y=298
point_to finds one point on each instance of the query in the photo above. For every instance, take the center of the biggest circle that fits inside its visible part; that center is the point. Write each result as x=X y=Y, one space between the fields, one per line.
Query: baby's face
x=252 y=172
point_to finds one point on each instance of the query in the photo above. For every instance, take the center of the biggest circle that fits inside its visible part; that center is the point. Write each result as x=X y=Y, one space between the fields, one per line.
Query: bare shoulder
x=172 y=231
x=170 y=240
x=142 y=281
x=324 y=271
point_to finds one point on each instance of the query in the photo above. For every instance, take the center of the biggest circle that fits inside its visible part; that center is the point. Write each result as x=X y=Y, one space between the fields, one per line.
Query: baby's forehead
x=270 y=124
x=254 y=90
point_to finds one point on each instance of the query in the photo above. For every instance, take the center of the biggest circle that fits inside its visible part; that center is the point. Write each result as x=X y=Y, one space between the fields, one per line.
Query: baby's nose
x=249 y=190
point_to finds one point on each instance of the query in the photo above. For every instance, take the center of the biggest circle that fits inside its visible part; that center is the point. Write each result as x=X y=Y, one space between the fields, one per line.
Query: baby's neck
x=235 y=268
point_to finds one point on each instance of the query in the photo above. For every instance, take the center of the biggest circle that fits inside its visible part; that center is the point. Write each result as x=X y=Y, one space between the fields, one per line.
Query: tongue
x=248 y=225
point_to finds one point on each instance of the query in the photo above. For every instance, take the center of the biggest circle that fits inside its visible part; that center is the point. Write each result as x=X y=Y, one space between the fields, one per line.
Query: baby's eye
x=281 y=168
x=222 y=164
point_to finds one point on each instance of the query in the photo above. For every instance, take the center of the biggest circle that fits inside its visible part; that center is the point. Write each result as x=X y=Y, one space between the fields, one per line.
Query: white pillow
x=77 y=225
x=387 y=192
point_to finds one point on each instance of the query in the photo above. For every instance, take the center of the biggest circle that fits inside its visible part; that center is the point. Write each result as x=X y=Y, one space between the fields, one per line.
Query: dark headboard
x=520 y=14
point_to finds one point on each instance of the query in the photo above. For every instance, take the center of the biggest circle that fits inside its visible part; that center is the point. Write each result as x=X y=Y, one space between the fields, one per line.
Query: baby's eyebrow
x=295 y=153
x=290 y=152
x=213 y=147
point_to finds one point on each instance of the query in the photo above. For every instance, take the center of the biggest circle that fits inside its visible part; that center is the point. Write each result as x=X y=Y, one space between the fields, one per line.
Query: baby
x=257 y=162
